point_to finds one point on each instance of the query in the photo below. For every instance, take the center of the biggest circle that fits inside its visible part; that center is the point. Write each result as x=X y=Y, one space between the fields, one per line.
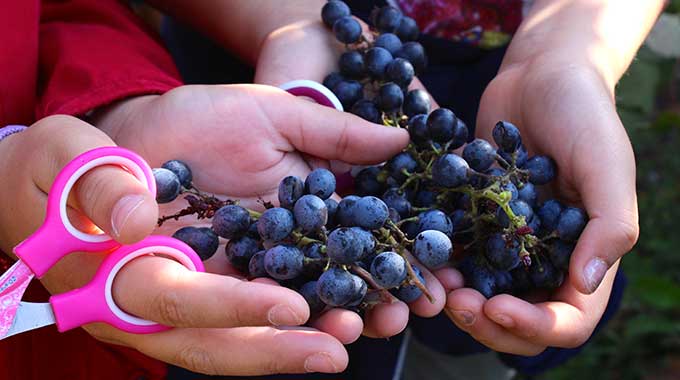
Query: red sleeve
x=94 y=52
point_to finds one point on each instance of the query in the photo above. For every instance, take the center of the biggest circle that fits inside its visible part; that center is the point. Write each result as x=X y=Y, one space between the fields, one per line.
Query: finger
x=422 y=306
x=246 y=351
x=110 y=197
x=327 y=133
x=567 y=323
x=344 y=325
x=386 y=319
x=164 y=291
x=465 y=307
x=609 y=196
x=450 y=279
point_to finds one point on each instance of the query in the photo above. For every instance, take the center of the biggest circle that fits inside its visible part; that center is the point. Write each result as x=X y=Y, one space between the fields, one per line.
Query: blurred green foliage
x=643 y=339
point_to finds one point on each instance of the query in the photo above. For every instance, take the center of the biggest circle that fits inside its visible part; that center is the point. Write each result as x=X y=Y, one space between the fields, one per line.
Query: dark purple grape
x=283 y=262
x=291 y=189
x=514 y=193
x=366 y=182
x=414 y=53
x=367 y=110
x=460 y=135
x=387 y=19
x=416 y=102
x=407 y=292
x=332 y=207
x=388 y=269
x=402 y=162
x=398 y=201
x=400 y=71
x=231 y=221
x=441 y=125
x=503 y=280
x=168 y=185
x=256 y=265
x=519 y=208
x=545 y=275
x=332 y=79
x=334 y=10
x=506 y=136
x=344 y=246
x=408 y=29
x=320 y=182
x=370 y=213
x=347 y=30
x=366 y=241
x=435 y=220
x=390 y=97
x=336 y=287
x=310 y=213
x=541 y=169
x=201 y=239
x=394 y=215
x=376 y=60
x=389 y=42
x=275 y=224
x=571 y=223
x=521 y=156
x=425 y=198
x=181 y=170
x=559 y=252
x=521 y=281
x=352 y=64
x=418 y=130
x=450 y=170
x=432 y=248
x=348 y=92
x=316 y=260
x=528 y=194
x=308 y=292
x=360 y=290
x=345 y=214
x=502 y=252
x=479 y=154
x=240 y=250
x=549 y=212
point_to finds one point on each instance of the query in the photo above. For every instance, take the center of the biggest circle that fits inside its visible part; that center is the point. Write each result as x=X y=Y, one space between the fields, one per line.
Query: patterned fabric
x=483 y=23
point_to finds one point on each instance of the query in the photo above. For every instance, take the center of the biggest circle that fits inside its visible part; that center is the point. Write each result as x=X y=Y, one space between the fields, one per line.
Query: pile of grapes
x=479 y=212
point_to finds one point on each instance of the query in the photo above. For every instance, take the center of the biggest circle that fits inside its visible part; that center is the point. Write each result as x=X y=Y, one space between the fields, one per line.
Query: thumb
x=330 y=134
x=107 y=196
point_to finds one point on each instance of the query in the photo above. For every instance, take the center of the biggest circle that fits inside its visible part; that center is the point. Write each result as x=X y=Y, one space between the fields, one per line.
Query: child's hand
x=154 y=288
x=241 y=141
x=568 y=113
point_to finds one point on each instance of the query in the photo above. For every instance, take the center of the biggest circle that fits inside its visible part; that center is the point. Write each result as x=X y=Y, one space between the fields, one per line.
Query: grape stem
x=399 y=246
x=366 y=276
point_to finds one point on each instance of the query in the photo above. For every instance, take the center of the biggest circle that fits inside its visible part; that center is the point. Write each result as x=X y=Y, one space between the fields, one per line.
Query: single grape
x=441 y=124
x=253 y=232
x=549 y=212
x=435 y=220
x=387 y=19
x=310 y=213
x=283 y=262
x=348 y=92
x=432 y=248
x=366 y=241
x=336 y=287
x=400 y=71
x=201 y=239
x=308 y=291
x=332 y=207
x=332 y=79
x=407 y=292
x=390 y=97
x=559 y=252
x=416 y=102
x=519 y=208
x=401 y=164
x=571 y=223
x=388 y=269
x=168 y=185
x=545 y=275
x=414 y=53
x=366 y=182
x=291 y=189
x=367 y=110
x=483 y=280
x=352 y=64
x=514 y=193
x=503 y=280
x=231 y=221
x=344 y=247
x=394 y=215
x=460 y=135
x=360 y=290
x=370 y=213
x=541 y=169
x=315 y=260
x=240 y=250
x=529 y=194
x=376 y=60
x=389 y=42
x=521 y=156
x=408 y=29
x=479 y=154
x=417 y=129
x=507 y=136
x=345 y=213
x=450 y=170
x=347 y=30
x=334 y=10
x=502 y=252
x=398 y=201
x=320 y=182
x=275 y=224
x=181 y=170
x=425 y=198
x=256 y=265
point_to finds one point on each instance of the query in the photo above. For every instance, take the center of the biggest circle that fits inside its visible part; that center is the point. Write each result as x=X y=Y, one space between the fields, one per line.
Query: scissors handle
x=57 y=237
x=94 y=302
x=314 y=90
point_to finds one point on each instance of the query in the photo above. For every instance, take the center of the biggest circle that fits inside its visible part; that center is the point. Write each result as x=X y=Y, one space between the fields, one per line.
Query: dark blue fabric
x=456 y=76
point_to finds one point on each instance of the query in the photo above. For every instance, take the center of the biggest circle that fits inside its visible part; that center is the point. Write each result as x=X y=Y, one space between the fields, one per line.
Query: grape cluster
x=339 y=254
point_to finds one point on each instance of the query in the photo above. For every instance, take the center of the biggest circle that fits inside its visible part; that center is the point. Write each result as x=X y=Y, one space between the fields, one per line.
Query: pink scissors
x=57 y=237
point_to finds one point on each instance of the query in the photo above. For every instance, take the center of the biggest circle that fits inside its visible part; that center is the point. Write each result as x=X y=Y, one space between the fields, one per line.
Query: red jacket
x=69 y=57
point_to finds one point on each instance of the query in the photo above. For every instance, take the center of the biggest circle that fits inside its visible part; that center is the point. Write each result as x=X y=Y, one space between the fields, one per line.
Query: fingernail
x=463 y=316
x=504 y=320
x=320 y=362
x=122 y=211
x=594 y=272
x=283 y=315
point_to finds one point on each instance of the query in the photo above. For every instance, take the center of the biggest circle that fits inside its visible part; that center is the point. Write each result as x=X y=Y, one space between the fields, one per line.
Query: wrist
x=115 y=118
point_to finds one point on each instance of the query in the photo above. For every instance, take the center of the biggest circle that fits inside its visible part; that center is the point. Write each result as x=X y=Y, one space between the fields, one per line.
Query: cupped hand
x=241 y=141
x=565 y=111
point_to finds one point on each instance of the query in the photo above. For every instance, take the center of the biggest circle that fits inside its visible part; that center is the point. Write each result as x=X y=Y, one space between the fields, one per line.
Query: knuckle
x=198 y=359
x=629 y=232
x=170 y=309
x=344 y=140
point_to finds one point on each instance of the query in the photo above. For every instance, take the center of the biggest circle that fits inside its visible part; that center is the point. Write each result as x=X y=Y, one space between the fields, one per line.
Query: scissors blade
x=30 y=316
x=13 y=284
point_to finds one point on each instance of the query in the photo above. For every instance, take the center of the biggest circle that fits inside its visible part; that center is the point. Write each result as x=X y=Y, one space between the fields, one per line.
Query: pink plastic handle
x=57 y=237
x=94 y=302
x=314 y=90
